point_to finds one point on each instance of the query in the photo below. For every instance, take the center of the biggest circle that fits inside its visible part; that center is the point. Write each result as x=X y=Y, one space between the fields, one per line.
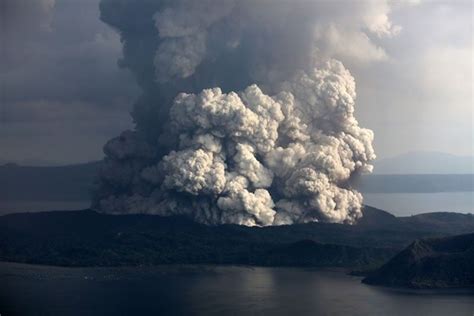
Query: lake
x=406 y=204
x=208 y=290
x=14 y=206
x=399 y=204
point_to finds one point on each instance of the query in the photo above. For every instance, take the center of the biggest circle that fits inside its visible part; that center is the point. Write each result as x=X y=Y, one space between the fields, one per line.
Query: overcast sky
x=63 y=95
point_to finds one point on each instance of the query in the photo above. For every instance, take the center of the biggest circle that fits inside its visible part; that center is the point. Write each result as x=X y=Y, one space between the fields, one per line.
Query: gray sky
x=63 y=95
x=421 y=98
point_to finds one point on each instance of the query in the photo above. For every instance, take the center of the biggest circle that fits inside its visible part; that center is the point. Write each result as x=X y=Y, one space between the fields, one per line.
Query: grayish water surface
x=207 y=290
x=405 y=204
x=399 y=204
x=13 y=206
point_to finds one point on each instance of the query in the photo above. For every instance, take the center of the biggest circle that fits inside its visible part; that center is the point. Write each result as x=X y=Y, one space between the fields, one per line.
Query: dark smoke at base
x=245 y=117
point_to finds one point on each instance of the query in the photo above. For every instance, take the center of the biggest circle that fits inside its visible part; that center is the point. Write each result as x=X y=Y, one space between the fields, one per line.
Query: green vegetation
x=430 y=263
x=87 y=238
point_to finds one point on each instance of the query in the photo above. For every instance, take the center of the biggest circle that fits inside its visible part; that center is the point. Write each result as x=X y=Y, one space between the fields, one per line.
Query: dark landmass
x=87 y=238
x=430 y=263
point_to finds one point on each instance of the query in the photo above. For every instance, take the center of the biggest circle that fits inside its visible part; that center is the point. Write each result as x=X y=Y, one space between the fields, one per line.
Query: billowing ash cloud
x=246 y=116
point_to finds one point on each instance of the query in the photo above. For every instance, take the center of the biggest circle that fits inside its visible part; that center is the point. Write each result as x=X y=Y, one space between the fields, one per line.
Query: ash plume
x=247 y=116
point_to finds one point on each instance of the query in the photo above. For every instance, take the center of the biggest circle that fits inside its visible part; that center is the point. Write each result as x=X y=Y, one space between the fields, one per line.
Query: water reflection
x=204 y=290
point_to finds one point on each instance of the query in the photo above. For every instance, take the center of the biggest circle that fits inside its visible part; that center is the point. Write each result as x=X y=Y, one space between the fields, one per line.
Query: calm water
x=400 y=204
x=204 y=290
x=404 y=204
x=7 y=207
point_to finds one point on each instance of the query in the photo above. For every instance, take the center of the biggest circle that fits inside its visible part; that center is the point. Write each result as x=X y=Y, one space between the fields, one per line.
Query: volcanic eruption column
x=246 y=117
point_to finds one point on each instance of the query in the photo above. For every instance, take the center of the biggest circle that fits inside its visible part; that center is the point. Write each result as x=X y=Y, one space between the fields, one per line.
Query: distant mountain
x=87 y=238
x=425 y=163
x=430 y=263
x=30 y=162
